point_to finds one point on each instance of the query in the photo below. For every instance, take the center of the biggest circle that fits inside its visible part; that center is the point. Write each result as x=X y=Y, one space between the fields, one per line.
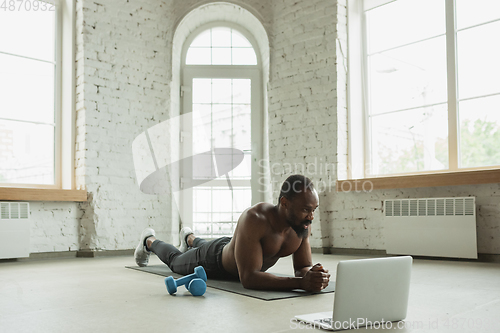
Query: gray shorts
x=204 y=253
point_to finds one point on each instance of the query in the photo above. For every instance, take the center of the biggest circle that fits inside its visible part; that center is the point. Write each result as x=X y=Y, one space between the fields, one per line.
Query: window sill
x=38 y=194
x=425 y=180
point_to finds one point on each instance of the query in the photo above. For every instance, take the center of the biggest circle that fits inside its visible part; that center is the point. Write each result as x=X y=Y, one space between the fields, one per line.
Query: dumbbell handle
x=186 y=279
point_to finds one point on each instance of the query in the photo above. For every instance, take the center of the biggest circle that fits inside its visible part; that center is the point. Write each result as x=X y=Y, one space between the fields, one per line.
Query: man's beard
x=299 y=229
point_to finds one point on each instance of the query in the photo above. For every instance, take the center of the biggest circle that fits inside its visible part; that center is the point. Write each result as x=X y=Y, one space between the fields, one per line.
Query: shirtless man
x=264 y=233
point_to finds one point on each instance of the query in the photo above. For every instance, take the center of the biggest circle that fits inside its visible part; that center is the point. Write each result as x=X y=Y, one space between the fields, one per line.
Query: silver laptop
x=368 y=292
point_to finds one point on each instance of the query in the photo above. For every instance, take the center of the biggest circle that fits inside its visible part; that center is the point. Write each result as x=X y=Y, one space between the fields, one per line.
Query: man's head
x=299 y=200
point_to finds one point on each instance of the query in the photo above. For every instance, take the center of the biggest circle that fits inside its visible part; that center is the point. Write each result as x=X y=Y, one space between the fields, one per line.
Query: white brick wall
x=302 y=118
x=262 y=9
x=123 y=88
x=54 y=226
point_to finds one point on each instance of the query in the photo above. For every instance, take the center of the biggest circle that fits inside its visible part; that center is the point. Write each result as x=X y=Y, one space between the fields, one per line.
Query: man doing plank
x=264 y=233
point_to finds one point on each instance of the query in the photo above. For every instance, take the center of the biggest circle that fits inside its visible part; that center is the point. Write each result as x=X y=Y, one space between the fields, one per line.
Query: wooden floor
x=101 y=295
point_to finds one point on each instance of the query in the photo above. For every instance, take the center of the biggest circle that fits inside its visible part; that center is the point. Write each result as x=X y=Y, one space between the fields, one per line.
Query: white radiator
x=14 y=230
x=440 y=227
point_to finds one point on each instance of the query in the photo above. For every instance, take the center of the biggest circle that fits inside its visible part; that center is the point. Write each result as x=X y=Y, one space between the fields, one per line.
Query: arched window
x=221 y=46
x=221 y=90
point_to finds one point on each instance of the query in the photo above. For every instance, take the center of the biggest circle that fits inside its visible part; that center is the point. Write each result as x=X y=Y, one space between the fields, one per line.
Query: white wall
x=54 y=226
x=302 y=96
x=123 y=75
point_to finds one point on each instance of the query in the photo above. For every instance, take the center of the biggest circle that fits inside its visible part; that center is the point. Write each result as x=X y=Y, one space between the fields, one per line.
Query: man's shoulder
x=261 y=210
x=258 y=216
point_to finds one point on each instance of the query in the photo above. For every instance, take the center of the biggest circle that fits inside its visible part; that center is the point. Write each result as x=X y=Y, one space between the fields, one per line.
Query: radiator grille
x=14 y=210
x=4 y=210
x=431 y=207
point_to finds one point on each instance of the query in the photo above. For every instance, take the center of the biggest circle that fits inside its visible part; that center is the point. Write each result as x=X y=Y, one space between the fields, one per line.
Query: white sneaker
x=186 y=231
x=141 y=254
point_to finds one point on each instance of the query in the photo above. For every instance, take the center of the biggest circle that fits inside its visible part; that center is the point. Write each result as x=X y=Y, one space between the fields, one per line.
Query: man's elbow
x=247 y=285
x=248 y=281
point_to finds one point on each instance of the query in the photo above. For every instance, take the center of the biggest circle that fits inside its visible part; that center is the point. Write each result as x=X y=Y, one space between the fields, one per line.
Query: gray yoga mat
x=235 y=286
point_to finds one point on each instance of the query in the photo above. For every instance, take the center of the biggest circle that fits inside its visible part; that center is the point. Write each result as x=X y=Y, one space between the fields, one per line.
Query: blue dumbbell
x=199 y=286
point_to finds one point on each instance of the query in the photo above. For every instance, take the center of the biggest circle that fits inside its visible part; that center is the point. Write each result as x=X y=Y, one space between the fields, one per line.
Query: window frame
x=216 y=24
x=358 y=118
x=252 y=72
x=63 y=188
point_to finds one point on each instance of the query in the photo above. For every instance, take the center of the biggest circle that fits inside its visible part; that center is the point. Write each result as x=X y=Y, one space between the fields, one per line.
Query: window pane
x=203 y=166
x=28 y=32
x=202 y=217
x=242 y=200
x=409 y=76
x=221 y=46
x=470 y=13
x=238 y=40
x=225 y=122
x=242 y=136
x=202 y=200
x=221 y=91
x=409 y=141
x=27 y=89
x=244 y=170
x=401 y=22
x=199 y=56
x=478 y=56
x=202 y=40
x=226 y=209
x=221 y=37
x=223 y=229
x=222 y=200
x=222 y=125
x=202 y=229
x=480 y=132
x=202 y=91
x=26 y=153
x=221 y=56
x=222 y=217
x=244 y=56
x=242 y=91
x=202 y=128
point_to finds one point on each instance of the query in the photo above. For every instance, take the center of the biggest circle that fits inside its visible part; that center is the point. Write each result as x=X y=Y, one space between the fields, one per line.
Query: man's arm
x=302 y=258
x=249 y=257
x=302 y=264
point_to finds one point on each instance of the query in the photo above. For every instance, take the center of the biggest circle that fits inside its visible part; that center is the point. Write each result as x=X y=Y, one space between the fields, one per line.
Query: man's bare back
x=264 y=234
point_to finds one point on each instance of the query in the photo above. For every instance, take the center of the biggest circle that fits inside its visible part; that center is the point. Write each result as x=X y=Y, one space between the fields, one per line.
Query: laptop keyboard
x=327 y=321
